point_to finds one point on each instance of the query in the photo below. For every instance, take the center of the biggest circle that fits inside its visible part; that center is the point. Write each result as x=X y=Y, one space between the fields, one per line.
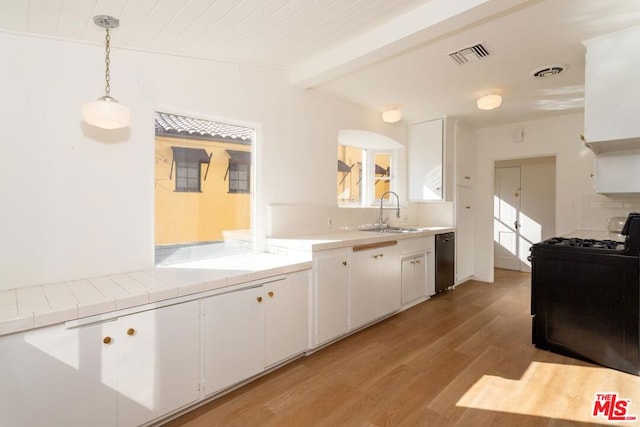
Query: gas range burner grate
x=582 y=243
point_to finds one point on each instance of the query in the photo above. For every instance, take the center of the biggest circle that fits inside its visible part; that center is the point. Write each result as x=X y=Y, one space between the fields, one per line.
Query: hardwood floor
x=462 y=358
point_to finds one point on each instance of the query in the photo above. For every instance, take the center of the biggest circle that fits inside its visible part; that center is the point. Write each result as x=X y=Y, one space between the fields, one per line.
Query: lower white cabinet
x=157 y=355
x=286 y=318
x=331 y=295
x=233 y=338
x=374 y=285
x=123 y=372
x=414 y=278
x=248 y=330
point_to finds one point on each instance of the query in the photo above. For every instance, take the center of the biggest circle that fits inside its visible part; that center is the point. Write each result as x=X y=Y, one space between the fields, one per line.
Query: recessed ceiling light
x=548 y=71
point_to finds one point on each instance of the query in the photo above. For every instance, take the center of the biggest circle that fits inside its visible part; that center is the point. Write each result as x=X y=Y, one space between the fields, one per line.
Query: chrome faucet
x=382 y=221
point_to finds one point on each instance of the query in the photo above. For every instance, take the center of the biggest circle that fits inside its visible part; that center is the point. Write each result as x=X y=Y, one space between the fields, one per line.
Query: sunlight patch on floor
x=553 y=391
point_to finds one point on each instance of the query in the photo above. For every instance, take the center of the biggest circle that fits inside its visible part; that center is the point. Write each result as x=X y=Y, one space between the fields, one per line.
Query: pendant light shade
x=106 y=112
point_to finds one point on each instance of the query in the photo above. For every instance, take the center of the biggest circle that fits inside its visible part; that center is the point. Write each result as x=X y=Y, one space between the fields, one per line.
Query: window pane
x=382 y=173
x=349 y=172
x=198 y=218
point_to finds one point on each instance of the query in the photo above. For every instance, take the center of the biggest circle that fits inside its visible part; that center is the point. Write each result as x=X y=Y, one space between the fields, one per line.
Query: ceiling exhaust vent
x=469 y=54
x=548 y=71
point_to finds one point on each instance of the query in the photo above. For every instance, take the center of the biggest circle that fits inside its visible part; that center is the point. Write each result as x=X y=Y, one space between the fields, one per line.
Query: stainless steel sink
x=391 y=230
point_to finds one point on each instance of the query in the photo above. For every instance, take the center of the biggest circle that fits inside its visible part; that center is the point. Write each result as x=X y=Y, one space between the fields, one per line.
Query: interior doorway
x=524 y=208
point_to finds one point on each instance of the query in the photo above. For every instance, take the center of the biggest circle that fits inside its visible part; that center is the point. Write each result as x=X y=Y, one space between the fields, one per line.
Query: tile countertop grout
x=26 y=308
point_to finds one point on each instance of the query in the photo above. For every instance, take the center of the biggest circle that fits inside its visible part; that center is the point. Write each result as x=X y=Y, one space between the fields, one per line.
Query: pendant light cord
x=107 y=61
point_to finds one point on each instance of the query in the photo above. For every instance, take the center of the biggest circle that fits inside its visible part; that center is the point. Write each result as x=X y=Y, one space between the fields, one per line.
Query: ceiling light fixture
x=391 y=115
x=106 y=112
x=489 y=102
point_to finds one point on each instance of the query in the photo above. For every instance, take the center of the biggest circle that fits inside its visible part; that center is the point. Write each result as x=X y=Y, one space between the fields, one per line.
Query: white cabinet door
x=158 y=361
x=414 y=278
x=425 y=160
x=331 y=288
x=611 y=107
x=466 y=154
x=465 y=235
x=374 y=285
x=55 y=377
x=286 y=317
x=233 y=338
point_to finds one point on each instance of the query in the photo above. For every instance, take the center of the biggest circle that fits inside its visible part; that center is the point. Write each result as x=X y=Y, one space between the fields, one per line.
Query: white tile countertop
x=346 y=238
x=35 y=306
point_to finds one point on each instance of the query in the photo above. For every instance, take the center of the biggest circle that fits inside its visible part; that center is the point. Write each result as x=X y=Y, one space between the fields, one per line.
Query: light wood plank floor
x=462 y=358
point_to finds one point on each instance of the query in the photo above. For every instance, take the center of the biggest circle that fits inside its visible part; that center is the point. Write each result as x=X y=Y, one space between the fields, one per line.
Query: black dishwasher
x=445 y=256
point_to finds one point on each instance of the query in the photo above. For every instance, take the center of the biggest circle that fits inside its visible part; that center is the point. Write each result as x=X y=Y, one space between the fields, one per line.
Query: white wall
x=78 y=202
x=557 y=136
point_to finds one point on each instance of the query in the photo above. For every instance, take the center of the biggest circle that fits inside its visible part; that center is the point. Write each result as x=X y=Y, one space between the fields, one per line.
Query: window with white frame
x=364 y=175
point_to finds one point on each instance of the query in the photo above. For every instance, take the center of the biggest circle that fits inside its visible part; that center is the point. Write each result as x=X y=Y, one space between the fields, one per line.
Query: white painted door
x=375 y=287
x=233 y=338
x=506 y=214
x=286 y=317
x=158 y=361
x=331 y=287
x=56 y=377
x=425 y=160
x=414 y=278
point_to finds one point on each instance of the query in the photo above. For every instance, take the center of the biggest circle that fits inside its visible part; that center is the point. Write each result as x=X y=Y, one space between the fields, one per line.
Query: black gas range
x=585 y=298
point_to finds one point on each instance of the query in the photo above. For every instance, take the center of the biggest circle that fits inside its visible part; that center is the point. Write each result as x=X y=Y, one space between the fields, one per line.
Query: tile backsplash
x=298 y=220
x=596 y=209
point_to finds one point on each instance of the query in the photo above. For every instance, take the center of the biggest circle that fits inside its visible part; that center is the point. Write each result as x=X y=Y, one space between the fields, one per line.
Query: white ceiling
x=373 y=52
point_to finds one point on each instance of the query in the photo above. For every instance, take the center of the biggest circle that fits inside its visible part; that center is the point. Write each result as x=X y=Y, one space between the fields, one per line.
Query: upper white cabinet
x=425 y=160
x=466 y=156
x=612 y=86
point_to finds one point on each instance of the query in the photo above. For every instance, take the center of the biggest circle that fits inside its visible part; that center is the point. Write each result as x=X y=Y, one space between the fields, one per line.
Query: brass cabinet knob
x=344 y=262
x=259 y=299
x=467 y=177
x=417 y=261
x=375 y=256
x=270 y=294
x=582 y=138
x=107 y=340
x=131 y=332
x=381 y=255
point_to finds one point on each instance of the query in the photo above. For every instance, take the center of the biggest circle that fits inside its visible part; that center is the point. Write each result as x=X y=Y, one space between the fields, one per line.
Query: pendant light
x=106 y=112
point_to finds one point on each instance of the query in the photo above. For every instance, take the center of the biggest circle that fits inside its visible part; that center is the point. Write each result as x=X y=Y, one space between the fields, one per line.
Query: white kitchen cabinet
x=55 y=377
x=233 y=338
x=286 y=317
x=374 y=282
x=466 y=155
x=331 y=294
x=611 y=107
x=123 y=372
x=157 y=354
x=465 y=235
x=414 y=278
x=425 y=160
x=617 y=172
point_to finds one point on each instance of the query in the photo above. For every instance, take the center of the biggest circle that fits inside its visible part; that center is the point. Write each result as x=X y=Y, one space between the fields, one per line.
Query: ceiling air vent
x=548 y=71
x=469 y=54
